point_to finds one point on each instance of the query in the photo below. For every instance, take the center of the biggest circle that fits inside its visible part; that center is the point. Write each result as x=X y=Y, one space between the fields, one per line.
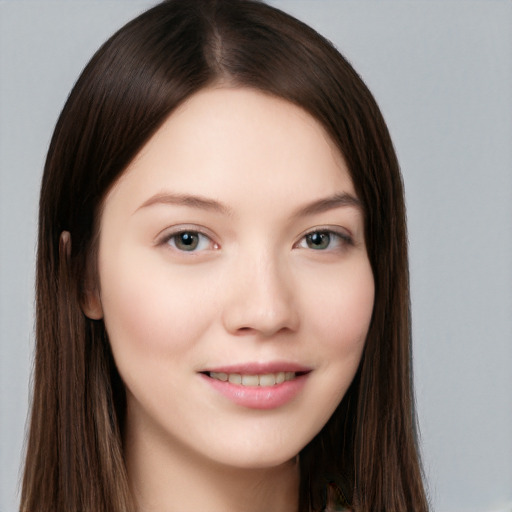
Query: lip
x=259 y=397
x=260 y=368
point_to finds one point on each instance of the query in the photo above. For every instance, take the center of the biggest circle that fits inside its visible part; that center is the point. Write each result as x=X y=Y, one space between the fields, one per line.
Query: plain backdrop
x=442 y=74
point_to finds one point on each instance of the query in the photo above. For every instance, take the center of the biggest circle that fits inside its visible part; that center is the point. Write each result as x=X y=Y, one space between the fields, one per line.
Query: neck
x=168 y=477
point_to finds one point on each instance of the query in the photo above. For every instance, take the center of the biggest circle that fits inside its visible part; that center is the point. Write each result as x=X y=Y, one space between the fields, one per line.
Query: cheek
x=341 y=316
x=150 y=314
x=343 y=312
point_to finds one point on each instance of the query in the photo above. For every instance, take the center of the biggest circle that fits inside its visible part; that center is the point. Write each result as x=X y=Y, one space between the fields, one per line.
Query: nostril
x=246 y=330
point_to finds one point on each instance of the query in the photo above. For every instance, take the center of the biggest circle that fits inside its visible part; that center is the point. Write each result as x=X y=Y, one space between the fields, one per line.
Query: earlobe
x=90 y=301
x=90 y=297
x=91 y=304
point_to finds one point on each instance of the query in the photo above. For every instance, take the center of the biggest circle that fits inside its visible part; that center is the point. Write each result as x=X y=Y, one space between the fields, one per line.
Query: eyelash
x=342 y=238
x=196 y=240
x=194 y=236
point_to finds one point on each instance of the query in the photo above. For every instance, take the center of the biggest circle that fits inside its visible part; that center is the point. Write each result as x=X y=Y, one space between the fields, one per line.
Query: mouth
x=265 y=380
x=258 y=386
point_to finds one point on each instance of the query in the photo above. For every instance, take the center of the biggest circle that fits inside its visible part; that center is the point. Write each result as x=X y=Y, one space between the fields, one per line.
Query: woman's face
x=234 y=280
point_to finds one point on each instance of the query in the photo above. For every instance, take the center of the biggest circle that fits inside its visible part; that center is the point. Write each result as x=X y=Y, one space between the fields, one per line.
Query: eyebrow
x=192 y=201
x=204 y=203
x=329 y=203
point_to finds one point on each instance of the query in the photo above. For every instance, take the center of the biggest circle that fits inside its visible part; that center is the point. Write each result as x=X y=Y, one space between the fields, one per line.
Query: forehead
x=235 y=145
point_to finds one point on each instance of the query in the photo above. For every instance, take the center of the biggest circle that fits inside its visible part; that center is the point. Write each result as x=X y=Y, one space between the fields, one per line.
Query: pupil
x=187 y=241
x=319 y=240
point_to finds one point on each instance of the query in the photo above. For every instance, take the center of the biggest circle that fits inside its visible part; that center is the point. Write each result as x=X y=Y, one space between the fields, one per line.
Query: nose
x=260 y=297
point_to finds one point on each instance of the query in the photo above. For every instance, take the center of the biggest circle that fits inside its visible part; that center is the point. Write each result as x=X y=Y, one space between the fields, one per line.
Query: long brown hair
x=367 y=453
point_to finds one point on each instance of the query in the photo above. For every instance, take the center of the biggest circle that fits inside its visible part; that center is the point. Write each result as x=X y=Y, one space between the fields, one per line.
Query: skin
x=256 y=289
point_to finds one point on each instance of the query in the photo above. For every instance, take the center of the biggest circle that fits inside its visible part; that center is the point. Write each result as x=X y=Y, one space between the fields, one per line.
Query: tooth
x=250 y=380
x=267 y=380
x=219 y=376
x=235 y=378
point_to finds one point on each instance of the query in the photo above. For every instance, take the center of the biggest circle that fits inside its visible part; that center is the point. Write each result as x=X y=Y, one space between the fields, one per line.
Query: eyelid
x=344 y=234
x=166 y=234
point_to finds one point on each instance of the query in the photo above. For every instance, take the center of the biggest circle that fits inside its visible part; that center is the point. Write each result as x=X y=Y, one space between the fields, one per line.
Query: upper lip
x=259 y=368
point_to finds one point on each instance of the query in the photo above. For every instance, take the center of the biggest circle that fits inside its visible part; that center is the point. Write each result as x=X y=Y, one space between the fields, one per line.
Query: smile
x=258 y=386
x=264 y=380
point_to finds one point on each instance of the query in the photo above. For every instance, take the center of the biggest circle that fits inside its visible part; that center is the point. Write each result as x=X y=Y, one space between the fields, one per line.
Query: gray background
x=442 y=74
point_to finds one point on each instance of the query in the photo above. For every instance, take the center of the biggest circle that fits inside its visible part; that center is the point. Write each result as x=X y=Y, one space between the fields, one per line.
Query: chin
x=258 y=453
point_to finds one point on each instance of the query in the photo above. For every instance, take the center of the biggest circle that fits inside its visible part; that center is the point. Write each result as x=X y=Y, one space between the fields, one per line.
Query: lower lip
x=259 y=397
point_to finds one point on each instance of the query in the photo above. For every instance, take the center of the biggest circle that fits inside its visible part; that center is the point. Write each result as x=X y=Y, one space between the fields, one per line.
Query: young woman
x=222 y=286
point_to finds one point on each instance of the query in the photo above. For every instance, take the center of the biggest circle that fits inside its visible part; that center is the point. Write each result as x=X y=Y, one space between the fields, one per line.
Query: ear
x=91 y=302
x=90 y=298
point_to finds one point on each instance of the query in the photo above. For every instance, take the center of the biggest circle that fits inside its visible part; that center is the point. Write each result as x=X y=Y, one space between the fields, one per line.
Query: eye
x=190 y=241
x=322 y=240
